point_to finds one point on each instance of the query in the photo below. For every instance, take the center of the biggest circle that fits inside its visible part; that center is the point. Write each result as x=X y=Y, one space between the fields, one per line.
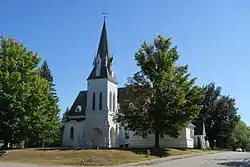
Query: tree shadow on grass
x=56 y=148
x=244 y=163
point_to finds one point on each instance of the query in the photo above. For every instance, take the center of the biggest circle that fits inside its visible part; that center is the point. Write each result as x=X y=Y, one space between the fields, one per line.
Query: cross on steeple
x=105 y=14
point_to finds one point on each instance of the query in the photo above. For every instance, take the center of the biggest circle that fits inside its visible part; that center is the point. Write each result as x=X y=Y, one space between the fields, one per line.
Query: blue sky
x=212 y=37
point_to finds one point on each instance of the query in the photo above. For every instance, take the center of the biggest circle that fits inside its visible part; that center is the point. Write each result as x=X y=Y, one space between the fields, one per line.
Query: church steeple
x=103 y=62
x=103 y=49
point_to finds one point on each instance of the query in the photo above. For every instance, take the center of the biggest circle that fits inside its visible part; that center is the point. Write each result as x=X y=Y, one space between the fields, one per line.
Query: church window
x=110 y=101
x=100 y=101
x=93 y=102
x=191 y=133
x=72 y=133
x=78 y=108
x=114 y=106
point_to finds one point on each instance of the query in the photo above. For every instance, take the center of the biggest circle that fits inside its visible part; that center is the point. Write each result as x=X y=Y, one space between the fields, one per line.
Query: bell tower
x=102 y=95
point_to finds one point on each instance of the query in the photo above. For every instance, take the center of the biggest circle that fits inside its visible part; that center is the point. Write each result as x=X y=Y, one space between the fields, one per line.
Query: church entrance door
x=97 y=138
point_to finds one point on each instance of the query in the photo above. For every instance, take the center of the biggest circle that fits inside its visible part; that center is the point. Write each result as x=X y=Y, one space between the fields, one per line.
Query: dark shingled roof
x=105 y=73
x=104 y=54
x=80 y=100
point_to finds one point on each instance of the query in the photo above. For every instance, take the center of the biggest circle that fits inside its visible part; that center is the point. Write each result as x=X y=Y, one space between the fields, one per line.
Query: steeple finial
x=105 y=14
x=103 y=48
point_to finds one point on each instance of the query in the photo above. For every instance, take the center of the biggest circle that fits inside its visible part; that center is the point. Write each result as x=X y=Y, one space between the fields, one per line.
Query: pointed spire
x=106 y=62
x=103 y=49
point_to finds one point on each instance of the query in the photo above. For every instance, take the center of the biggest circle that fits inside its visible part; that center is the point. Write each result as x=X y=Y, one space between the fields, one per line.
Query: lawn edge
x=170 y=158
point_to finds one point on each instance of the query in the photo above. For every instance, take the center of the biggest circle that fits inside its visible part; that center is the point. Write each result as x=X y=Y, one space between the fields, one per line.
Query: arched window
x=72 y=133
x=114 y=102
x=100 y=101
x=93 y=102
x=110 y=101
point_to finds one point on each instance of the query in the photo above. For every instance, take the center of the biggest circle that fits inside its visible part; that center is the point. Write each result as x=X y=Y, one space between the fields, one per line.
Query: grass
x=89 y=157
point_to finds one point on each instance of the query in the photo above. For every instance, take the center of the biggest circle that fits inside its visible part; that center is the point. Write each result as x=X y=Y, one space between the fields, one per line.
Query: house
x=200 y=134
x=90 y=118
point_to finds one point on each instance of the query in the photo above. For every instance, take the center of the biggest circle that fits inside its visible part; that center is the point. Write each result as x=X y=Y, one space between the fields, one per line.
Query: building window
x=162 y=135
x=114 y=106
x=100 y=101
x=110 y=101
x=145 y=136
x=82 y=134
x=72 y=133
x=93 y=102
x=126 y=135
x=78 y=109
x=191 y=133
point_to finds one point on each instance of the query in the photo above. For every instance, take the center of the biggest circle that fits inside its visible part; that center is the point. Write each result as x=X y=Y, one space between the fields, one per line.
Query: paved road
x=225 y=159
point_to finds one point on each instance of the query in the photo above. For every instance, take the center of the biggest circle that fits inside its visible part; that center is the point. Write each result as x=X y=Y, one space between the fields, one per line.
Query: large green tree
x=25 y=97
x=220 y=115
x=212 y=94
x=53 y=125
x=21 y=89
x=46 y=73
x=161 y=96
x=240 y=136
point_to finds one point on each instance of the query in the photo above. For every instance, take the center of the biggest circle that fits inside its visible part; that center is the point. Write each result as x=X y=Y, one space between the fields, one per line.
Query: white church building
x=90 y=118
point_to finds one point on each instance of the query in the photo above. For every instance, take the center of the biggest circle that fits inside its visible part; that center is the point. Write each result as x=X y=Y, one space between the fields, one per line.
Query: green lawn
x=89 y=157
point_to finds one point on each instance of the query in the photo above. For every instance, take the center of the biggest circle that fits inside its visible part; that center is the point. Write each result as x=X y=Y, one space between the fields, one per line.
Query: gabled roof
x=80 y=100
x=105 y=73
x=191 y=125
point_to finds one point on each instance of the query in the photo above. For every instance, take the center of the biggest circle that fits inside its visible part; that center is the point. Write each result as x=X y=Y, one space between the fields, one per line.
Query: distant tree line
x=29 y=108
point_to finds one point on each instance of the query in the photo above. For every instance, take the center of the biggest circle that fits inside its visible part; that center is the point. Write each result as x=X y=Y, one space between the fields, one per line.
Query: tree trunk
x=5 y=146
x=211 y=143
x=157 y=139
x=226 y=143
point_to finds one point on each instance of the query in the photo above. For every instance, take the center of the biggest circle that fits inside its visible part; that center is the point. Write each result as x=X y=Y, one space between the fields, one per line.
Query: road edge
x=171 y=158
